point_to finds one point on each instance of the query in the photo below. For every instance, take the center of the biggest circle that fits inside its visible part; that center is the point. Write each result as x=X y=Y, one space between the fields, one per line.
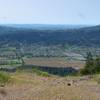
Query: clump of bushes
x=4 y=78
x=41 y=73
x=92 y=65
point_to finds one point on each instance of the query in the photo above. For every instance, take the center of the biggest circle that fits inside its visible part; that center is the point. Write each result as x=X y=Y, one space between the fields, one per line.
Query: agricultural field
x=50 y=56
x=9 y=58
x=54 y=62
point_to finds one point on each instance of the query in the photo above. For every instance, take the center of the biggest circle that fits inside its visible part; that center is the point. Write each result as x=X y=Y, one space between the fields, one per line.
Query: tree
x=92 y=65
x=89 y=67
x=97 y=65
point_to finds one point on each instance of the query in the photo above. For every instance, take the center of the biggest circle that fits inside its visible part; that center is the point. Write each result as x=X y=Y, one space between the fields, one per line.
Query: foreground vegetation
x=39 y=72
x=5 y=78
x=30 y=86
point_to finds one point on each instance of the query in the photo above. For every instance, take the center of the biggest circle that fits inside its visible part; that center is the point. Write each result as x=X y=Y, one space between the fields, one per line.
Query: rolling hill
x=88 y=36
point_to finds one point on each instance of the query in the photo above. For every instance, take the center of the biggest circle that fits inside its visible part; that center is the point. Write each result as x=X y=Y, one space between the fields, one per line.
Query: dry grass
x=55 y=62
x=26 y=86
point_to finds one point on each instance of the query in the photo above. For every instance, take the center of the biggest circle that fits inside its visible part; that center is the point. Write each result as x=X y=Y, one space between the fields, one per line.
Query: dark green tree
x=97 y=65
x=89 y=67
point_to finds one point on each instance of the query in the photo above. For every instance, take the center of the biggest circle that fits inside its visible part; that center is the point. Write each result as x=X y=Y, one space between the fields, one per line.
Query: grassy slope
x=28 y=86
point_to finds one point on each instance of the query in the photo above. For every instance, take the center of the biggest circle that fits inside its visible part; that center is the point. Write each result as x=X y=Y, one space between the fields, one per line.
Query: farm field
x=54 y=62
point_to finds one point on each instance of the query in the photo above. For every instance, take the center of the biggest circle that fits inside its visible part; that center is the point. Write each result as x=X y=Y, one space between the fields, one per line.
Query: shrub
x=96 y=78
x=45 y=74
x=4 y=78
x=41 y=73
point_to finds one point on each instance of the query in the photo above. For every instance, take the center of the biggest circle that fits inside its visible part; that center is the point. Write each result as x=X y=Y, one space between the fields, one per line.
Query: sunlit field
x=54 y=62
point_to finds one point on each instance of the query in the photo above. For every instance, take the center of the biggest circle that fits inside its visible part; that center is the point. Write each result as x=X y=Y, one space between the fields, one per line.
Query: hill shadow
x=61 y=71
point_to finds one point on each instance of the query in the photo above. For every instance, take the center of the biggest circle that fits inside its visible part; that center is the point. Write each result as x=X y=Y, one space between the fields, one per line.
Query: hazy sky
x=50 y=11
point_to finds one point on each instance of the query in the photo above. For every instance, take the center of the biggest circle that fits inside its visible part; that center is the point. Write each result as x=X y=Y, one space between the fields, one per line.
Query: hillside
x=28 y=86
x=89 y=36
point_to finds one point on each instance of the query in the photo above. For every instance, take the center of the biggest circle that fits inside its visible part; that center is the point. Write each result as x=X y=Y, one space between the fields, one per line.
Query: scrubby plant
x=41 y=73
x=4 y=78
x=96 y=78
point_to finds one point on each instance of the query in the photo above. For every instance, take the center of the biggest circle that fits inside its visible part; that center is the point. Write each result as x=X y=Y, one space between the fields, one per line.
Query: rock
x=69 y=84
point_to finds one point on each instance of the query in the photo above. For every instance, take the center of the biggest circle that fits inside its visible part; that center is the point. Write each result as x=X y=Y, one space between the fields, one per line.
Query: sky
x=50 y=12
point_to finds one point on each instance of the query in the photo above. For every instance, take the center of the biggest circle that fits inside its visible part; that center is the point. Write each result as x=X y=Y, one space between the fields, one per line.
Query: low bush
x=4 y=78
x=96 y=78
x=41 y=73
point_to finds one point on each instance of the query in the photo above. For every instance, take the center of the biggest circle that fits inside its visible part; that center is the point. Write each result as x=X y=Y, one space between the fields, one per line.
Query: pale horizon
x=51 y=12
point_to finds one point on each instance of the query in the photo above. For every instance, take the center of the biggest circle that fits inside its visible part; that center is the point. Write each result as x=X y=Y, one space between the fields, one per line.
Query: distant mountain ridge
x=45 y=26
x=84 y=36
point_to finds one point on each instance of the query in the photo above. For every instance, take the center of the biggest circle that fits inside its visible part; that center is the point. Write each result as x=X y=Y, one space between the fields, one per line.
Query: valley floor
x=27 y=86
